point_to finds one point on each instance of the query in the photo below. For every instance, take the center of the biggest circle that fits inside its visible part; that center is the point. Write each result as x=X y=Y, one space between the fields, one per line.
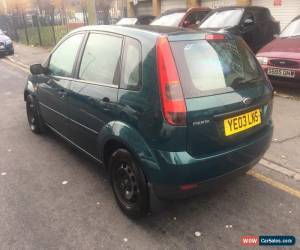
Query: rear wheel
x=129 y=184
x=35 y=122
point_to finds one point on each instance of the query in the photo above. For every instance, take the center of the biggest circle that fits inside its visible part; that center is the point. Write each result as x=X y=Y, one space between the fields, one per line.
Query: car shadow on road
x=220 y=216
x=292 y=92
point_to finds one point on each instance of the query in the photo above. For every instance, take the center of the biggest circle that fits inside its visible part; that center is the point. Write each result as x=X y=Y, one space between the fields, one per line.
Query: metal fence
x=35 y=29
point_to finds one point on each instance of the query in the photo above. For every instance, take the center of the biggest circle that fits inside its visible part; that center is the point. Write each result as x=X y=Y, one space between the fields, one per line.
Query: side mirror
x=37 y=69
x=248 y=21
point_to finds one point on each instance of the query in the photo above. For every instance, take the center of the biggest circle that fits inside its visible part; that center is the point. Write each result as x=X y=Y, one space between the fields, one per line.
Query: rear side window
x=131 y=73
x=100 y=60
x=214 y=66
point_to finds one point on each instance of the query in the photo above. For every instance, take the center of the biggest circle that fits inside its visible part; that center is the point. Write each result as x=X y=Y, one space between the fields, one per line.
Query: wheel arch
x=30 y=89
x=121 y=135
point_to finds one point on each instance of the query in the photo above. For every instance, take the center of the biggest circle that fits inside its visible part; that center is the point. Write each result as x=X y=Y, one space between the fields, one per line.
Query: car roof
x=142 y=29
x=152 y=32
x=175 y=10
x=239 y=7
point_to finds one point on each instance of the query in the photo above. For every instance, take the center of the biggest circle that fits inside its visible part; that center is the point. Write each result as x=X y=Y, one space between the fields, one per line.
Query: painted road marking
x=275 y=184
x=7 y=61
x=280 y=169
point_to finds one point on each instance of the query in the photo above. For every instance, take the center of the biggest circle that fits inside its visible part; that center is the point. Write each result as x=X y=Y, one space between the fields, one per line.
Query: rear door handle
x=62 y=93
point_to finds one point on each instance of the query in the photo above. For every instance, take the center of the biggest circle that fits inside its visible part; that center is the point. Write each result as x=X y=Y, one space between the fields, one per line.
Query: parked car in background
x=254 y=24
x=281 y=57
x=186 y=18
x=140 y=20
x=166 y=110
x=6 y=44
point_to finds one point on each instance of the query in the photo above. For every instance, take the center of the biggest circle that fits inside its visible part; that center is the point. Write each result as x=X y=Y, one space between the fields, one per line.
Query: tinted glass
x=225 y=18
x=63 y=58
x=101 y=59
x=131 y=76
x=196 y=17
x=169 y=20
x=127 y=21
x=207 y=66
x=293 y=29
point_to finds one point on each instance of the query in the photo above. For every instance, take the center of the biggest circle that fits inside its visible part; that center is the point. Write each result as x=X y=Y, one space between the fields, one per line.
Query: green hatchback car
x=167 y=111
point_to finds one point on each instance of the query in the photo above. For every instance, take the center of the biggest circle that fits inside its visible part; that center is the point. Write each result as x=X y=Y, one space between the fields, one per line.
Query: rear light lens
x=214 y=37
x=188 y=187
x=173 y=103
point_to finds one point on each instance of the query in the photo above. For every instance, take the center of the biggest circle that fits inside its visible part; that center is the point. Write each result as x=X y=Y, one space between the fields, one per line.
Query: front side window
x=100 y=59
x=293 y=29
x=131 y=73
x=63 y=58
x=223 y=19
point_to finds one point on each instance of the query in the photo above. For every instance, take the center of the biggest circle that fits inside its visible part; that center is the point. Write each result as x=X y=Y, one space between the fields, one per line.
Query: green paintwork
x=168 y=155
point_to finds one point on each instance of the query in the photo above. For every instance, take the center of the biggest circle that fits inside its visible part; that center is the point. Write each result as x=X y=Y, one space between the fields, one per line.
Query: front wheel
x=129 y=184
x=35 y=122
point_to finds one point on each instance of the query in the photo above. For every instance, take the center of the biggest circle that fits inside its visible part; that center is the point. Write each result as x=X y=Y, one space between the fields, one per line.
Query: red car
x=281 y=58
x=181 y=17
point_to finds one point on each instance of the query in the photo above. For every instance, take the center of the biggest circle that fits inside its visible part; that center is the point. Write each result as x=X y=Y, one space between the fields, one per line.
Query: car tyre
x=35 y=121
x=129 y=184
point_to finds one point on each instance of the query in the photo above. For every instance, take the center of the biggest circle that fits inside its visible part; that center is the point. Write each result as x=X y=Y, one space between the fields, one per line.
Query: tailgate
x=206 y=116
x=228 y=98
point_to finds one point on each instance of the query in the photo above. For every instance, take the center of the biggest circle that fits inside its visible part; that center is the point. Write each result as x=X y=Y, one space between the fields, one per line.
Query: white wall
x=284 y=13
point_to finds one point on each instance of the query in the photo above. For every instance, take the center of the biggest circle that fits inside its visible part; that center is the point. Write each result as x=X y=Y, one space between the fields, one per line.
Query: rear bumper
x=168 y=192
x=179 y=168
x=7 y=49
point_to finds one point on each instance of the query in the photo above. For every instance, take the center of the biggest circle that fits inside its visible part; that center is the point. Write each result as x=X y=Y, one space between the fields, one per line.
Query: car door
x=267 y=25
x=250 y=31
x=53 y=86
x=93 y=95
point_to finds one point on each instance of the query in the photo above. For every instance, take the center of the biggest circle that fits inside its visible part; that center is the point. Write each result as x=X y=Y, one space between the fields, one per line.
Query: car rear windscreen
x=208 y=67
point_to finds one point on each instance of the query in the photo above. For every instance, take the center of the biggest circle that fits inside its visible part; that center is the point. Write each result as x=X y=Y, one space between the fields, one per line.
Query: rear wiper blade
x=239 y=82
x=250 y=80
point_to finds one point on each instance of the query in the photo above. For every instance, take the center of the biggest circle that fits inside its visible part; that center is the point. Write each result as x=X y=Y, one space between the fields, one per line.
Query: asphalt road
x=38 y=212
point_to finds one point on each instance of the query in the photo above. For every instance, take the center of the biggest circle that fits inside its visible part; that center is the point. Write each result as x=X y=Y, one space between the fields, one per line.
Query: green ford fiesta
x=167 y=111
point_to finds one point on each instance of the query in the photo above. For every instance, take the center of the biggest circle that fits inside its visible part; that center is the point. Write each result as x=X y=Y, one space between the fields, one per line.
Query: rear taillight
x=173 y=103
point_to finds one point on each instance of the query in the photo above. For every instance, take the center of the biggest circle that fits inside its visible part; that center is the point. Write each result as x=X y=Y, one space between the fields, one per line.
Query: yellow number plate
x=242 y=122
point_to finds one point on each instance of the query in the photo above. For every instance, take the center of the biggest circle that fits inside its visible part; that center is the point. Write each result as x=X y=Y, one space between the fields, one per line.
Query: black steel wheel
x=35 y=122
x=129 y=184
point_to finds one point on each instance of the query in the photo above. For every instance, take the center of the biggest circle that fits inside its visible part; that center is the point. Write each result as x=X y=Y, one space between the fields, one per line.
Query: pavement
x=53 y=197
